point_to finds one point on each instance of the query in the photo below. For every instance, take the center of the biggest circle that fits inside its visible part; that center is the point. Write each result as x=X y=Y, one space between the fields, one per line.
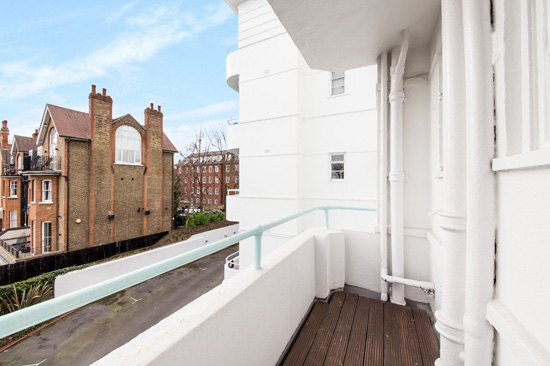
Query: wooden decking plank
x=355 y=352
x=319 y=348
x=339 y=343
x=302 y=345
x=426 y=337
x=409 y=338
x=393 y=341
x=374 y=350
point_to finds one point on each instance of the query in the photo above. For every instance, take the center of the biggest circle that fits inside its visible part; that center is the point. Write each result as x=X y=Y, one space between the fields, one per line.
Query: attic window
x=128 y=145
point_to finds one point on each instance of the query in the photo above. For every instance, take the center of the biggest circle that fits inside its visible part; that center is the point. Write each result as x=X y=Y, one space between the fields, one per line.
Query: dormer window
x=128 y=145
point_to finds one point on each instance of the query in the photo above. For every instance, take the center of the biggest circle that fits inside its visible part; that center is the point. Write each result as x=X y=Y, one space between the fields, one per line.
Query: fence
x=20 y=271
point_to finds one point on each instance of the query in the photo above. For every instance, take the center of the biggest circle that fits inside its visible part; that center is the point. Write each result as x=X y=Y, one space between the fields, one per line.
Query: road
x=97 y=329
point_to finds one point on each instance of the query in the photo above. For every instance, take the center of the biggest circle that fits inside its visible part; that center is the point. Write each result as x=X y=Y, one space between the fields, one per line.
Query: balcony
x=9 y=169
x=232 y=70
x=42 y=164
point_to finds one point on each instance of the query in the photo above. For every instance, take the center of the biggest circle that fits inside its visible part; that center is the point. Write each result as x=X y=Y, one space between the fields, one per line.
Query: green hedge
x=49 y=278
x=203 y=218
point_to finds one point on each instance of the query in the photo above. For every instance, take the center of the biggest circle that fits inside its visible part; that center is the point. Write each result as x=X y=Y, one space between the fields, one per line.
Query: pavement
x=95 y=330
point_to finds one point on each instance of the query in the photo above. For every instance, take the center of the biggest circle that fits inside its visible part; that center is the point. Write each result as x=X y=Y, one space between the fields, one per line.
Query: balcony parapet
x=42 y=164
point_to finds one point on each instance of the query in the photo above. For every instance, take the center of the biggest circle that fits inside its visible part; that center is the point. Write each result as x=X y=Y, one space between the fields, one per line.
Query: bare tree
x=218 y=141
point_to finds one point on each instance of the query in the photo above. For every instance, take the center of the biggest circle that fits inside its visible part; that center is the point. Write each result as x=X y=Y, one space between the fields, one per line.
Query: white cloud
x=183 y=135
x=118 y=14
x=150 y=32
x=226 y=109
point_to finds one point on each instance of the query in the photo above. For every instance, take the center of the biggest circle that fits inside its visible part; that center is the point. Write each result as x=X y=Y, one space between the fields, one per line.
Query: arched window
x=128 y=145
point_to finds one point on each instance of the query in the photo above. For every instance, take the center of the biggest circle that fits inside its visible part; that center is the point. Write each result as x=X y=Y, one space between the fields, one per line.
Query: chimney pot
x=152 y=106
x=4 y=123
x=104 y=92
x=159 y=108
x=93 y=88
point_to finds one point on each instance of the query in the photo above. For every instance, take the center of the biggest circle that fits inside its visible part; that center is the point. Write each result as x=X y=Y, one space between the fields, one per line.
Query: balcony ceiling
x=342 y=35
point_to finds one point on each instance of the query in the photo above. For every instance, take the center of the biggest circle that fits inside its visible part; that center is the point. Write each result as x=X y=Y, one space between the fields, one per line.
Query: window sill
x=46 y=203
x=337 y=181
x=12 y=197
x=527 y=160
x=119 y=163
x=338 y=95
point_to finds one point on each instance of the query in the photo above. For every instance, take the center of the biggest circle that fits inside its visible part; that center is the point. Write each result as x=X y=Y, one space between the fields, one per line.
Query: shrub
x=21 y=299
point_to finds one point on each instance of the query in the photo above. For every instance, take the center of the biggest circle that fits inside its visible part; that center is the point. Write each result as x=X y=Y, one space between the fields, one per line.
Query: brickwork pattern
x=129 y=211
x=79 y=208
x=100 y=178
x=41 y=212
x=167 y=192
x=153 y=125
x=11 y=204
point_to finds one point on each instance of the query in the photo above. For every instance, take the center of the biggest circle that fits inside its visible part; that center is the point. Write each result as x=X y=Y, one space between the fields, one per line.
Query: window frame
x=332 y=162
x=13 y=189
x=44 y=237
x=13 y=226
x=44 y=198
x=123 y=140
x=334 y=76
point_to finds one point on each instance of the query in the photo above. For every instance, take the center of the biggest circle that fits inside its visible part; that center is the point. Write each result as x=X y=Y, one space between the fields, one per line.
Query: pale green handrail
x=36 y=314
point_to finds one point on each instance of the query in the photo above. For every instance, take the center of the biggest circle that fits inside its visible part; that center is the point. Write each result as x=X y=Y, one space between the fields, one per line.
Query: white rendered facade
x=460 y=192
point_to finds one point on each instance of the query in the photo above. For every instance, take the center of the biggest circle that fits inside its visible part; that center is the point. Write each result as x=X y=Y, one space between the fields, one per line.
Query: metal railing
x=18 y=245
x=9 y=169
x=27 y=317
x=42 y=163
x=232 y=261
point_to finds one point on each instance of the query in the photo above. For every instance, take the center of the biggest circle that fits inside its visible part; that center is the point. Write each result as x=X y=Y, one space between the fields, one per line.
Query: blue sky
x=170 y=53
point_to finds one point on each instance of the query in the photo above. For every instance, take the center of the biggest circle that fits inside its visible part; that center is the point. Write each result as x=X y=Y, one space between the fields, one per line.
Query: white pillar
x=453 y=215
x=396 y=175
x=480 y=186
x=383 y=173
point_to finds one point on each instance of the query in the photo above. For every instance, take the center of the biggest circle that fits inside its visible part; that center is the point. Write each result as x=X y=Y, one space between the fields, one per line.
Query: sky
x=170 y=53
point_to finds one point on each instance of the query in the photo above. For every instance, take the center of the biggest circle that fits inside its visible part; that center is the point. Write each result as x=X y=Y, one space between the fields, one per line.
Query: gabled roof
x=23 y=143
x=76 y=124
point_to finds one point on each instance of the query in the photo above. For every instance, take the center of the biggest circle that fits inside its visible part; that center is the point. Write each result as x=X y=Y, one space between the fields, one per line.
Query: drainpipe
x=396 y=176
x=480 y=185
x=452 y=218
x=383 y=174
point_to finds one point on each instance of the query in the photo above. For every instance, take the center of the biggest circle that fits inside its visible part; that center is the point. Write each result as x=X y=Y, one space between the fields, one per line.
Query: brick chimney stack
x=155 y=167
x=4 y=133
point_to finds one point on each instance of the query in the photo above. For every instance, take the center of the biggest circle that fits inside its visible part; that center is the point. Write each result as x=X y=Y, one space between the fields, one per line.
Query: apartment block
x=207 y=179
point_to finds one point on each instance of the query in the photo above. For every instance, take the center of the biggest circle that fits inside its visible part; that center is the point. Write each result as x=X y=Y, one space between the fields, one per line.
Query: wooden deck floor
x=355 y=330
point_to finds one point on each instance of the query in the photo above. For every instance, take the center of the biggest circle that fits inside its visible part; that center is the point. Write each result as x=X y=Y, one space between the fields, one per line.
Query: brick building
x=93 y=179
x=207 y=179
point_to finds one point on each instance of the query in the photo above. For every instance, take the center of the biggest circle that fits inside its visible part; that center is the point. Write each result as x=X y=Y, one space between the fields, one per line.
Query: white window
x=217 y=169
x=13 y=188
x=196 y=200
x=20 y=162
x=186 y=180
x=204 y=200
x=204 y=169
x=227 y=167
x=46 y=191
x=46 y=237
x=209 y=179
x=215 y=202
x=237 y=167
x=13 y=219
x=198 y=191
x=337 y=82
x=217 y=180
x=217 y=191
x=128 y=145
x=204 y=179
x=210 y=169
x=209 y=202
x=236 y=179
x=185 y=190
x=336 y=166
x=186 y=170
x=198 y=170
x=210 y=191
x=227 y=180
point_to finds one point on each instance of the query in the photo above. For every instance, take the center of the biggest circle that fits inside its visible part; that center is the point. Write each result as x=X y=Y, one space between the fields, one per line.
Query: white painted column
x=396 y=175
x=383 y=173
x=480 y=186
x=453 y=215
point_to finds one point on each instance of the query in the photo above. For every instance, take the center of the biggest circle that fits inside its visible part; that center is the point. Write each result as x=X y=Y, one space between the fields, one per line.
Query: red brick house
x=94 y=179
